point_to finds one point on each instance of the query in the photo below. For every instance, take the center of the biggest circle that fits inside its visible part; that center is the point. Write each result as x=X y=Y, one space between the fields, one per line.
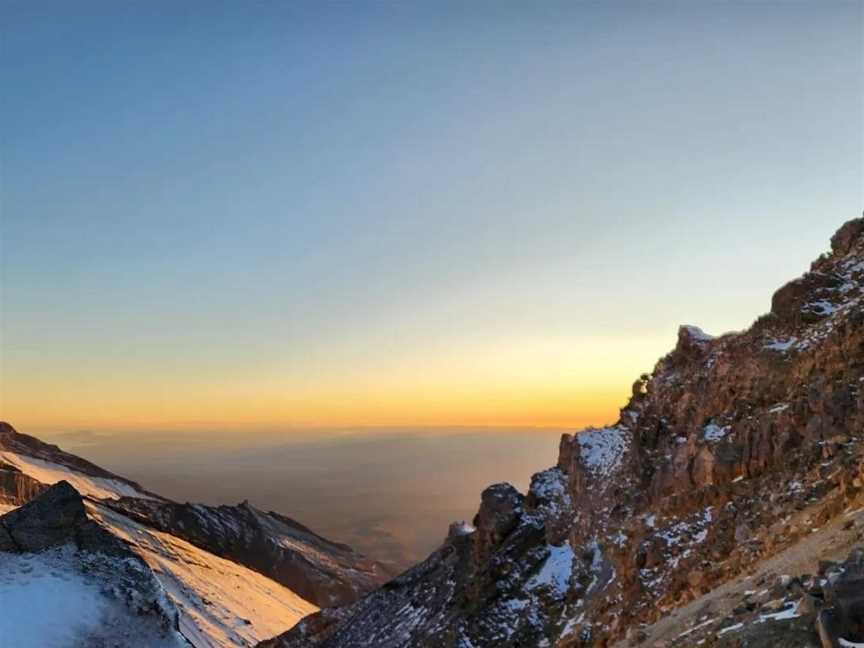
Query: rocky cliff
x=732 y=450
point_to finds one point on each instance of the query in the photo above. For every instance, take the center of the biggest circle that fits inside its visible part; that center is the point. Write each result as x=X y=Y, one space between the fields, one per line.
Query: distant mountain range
x=725 y=508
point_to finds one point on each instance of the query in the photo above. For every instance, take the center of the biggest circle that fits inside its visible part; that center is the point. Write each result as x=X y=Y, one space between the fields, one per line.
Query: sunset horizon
x=431 y=324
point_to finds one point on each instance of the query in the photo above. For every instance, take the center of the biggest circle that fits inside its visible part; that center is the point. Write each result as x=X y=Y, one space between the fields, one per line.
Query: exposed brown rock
x=847 y=236
x=16 y=488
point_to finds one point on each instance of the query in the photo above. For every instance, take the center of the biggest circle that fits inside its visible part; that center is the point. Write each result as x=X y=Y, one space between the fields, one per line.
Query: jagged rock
x=692 y=341
x=6 y=541
x=54 y=518
x=16 y=488
x=500 y=509
x=825 y=626
x=846 y=596
x=846 y=237
x=50 y=520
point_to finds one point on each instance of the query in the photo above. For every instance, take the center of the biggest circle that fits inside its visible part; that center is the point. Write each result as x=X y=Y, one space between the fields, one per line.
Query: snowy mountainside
x=52 y=599
x=67 y=582
x=221 y=603
x=323 y=572
x=235 y=575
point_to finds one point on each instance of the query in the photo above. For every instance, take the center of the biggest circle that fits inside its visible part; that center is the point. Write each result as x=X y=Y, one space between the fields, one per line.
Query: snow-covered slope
x=221 y=603
x=321 y=571
x=48 y=601
x=88 y=485
x=227 y=570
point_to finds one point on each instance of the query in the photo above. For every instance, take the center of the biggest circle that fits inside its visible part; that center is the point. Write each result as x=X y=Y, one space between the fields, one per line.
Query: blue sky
x=315 y=213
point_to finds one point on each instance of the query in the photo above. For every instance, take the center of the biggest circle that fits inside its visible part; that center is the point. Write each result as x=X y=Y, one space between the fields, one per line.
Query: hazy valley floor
x=390 y=494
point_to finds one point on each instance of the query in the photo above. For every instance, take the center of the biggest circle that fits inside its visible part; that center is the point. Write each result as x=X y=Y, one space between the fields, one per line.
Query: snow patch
x=731 y=628
x=713 y=432
x=820 y=308
x=49 y=603
x=787 y=613
x=781 y=345
x=698 y=334
x=696 y=627
x=602 y=449
x=463 y=529
x=556 y=570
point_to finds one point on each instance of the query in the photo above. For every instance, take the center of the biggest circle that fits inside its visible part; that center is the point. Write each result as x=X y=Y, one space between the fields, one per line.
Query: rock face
x=731 y=450
x=824 y=609
x=57 y=517
x=16 y=488
x=323 y=572
x=842 y=614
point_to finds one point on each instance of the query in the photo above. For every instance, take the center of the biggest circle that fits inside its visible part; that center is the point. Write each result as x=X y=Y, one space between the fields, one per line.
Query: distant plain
x=389 y=493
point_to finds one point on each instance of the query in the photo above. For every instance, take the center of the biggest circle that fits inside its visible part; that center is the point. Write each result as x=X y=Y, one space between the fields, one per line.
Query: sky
x=384 y=214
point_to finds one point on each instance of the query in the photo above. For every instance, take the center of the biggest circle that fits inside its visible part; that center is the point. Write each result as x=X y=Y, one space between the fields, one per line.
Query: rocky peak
x=47 y=521
x=850 y=235
x=692 y=339
x=500 y=510
x=732 y=449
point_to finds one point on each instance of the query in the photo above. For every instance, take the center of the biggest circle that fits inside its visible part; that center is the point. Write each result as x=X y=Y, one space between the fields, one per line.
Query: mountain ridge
x=234 y=574
x=729 y=452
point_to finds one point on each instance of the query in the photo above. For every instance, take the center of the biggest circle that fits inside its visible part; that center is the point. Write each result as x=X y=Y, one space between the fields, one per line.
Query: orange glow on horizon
x=528 y=385
x=488 y=410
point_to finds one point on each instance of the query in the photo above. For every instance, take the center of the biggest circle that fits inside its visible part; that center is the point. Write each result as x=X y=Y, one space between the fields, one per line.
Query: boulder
x=49 y=520
x=54 y=518
x=500 y=510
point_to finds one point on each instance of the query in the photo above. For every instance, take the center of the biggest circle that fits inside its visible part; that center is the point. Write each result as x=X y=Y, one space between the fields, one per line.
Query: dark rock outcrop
x=55 y=518
x=790 y=611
